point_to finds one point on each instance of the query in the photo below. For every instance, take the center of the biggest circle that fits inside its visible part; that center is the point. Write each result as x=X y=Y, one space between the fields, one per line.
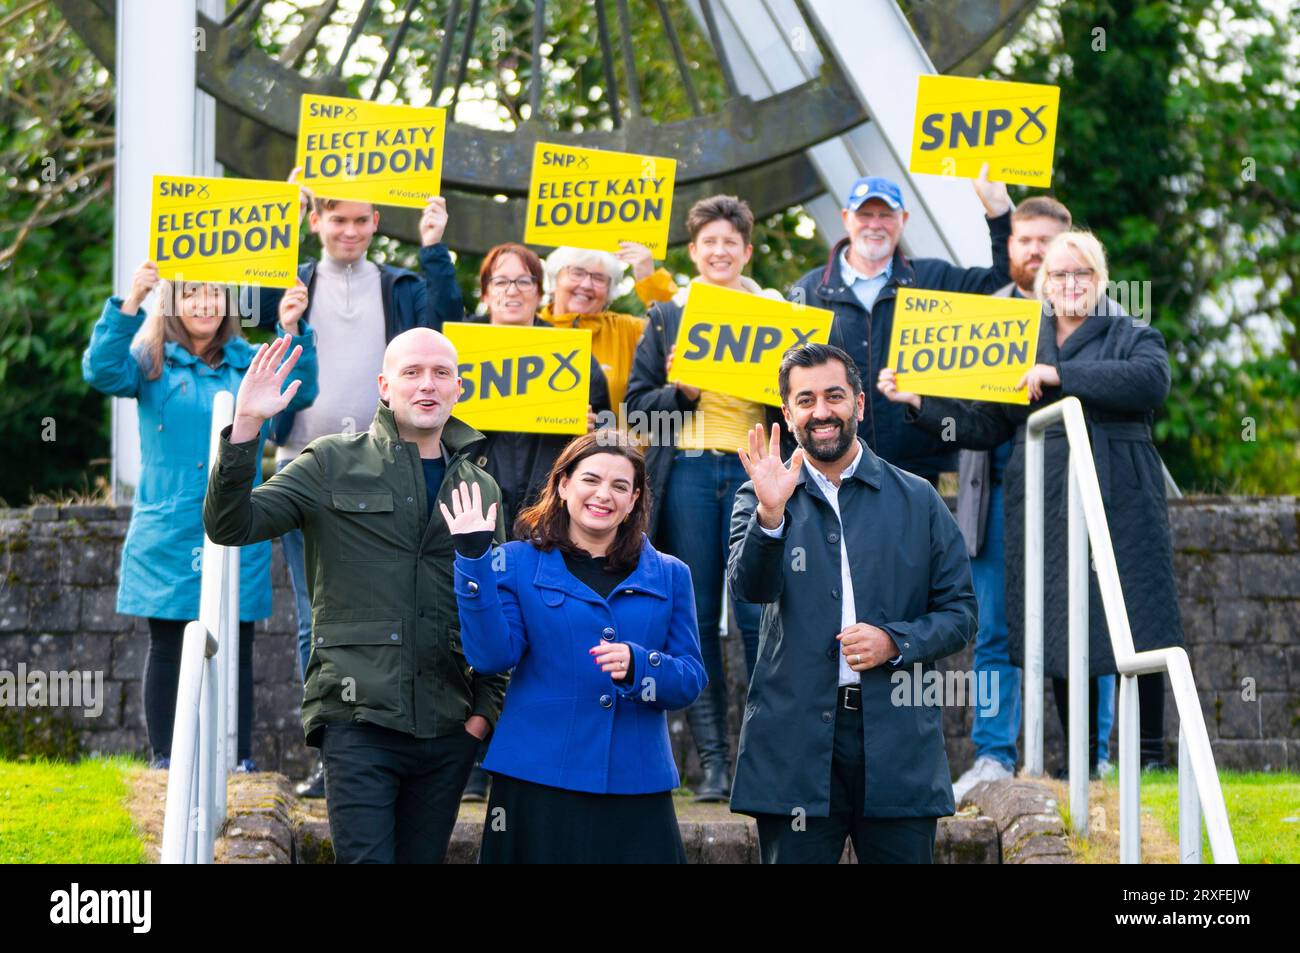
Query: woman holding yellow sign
x=191 y=348
x=582 y=282
x=1089 y=349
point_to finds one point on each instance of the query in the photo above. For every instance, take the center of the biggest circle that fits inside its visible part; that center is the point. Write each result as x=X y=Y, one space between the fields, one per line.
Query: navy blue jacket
x=911 y=577
x=410 y=301
x=867 y=340
x=566 y=723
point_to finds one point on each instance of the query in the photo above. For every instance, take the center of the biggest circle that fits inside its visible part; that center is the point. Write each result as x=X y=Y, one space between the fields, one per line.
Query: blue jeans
x=296 y=562
x=696 y=529
x=1105 y=714
x=994 y=735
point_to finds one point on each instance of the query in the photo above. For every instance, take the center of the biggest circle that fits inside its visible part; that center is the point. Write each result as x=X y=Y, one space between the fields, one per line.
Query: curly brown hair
x=546 y=523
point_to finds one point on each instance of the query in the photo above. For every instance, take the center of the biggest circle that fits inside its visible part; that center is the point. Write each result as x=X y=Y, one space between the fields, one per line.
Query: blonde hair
x=164 y=325
x=1085 y=247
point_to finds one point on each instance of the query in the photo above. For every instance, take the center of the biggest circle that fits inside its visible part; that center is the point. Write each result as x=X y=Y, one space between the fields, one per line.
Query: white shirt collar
x=824 y=482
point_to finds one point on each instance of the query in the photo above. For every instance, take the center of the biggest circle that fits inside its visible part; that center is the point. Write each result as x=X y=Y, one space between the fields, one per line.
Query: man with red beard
x=994 y=728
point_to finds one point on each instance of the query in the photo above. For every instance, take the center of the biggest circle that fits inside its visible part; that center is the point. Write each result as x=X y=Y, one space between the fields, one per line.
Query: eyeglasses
x=579 y=275
x=523 y=283
x=1081 y=276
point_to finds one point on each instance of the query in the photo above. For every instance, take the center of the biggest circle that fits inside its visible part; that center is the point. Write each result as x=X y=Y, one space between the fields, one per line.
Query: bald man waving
x=389 y=699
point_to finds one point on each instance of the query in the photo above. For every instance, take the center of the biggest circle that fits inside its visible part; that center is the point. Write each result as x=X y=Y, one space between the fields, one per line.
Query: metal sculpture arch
x=748 y=147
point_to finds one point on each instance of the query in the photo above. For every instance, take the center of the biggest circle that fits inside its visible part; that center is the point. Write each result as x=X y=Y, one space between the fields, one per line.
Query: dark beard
x=822 y=453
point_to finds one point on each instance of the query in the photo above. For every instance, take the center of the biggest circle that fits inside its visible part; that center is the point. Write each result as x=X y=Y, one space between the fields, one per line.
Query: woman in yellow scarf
x=581 y=282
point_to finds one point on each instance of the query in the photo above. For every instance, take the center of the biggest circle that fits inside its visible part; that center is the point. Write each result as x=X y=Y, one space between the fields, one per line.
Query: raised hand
x=888 y=385
x=641 y=258
x=466 y=513
x=305 y=196
x=774 y=482
x=994 y=195
x=433 y=221
x=259 y=397
x=292 y=307
x=142 y=282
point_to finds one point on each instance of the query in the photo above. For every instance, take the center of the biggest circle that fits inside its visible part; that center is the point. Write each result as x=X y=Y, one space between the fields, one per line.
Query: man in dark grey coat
x=866 y=583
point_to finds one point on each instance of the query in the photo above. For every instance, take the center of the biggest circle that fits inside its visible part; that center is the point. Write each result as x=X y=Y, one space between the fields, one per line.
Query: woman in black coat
x=1088 y=349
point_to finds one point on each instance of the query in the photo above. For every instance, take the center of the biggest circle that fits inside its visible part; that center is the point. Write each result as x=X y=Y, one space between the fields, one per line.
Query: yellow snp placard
x=972 y=347
x=961 y=123
x=595 y=199
x=531 y=380
x=382 y=153
x=231 y=231
x=732 y=341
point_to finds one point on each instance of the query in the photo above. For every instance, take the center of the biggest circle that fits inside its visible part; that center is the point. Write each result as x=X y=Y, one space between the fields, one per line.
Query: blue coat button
x=472 y=586
x=832 y=537
x=835 y=592
x=654 y=658
x=607 y=634
x=606 y=701
x=827 y=717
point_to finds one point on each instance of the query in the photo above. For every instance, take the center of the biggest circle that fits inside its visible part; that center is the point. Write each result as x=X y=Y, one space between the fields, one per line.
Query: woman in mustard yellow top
x=695 y=477
x=581 y=283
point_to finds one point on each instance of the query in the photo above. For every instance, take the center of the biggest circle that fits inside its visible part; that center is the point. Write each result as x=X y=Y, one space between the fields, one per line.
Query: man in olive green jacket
x=389 y=697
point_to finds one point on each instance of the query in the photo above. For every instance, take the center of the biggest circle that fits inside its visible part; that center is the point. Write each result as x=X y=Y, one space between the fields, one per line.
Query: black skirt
x=530 y=823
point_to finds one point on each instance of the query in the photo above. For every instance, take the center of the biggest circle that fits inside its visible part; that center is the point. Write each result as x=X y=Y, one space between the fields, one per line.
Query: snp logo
x=77 y=906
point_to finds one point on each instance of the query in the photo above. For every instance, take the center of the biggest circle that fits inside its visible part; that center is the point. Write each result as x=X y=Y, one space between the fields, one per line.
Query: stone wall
x=1237 y=561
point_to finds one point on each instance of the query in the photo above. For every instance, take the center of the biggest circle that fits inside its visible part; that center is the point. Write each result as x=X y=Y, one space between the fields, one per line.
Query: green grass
x=1263 y=810
x=53 y=812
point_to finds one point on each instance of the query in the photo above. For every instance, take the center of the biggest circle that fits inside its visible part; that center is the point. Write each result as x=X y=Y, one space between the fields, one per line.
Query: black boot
x=708 y=721
x=314 y=786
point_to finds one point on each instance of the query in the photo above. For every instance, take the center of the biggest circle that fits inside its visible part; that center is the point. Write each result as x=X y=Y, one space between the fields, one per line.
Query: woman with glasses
x=1090 y=349
x=510 y=287
x=583 y=282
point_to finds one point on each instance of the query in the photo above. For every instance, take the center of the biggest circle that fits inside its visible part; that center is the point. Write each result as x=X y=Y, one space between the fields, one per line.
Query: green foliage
x=55 y=155
x=1174 y=146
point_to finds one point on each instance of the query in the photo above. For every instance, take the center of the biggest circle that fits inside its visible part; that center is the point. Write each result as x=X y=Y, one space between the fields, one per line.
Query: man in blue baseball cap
x=859 y=283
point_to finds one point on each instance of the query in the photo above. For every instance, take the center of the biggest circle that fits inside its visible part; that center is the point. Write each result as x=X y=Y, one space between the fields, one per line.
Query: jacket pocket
x=463 y=670
x=360 y=664
x=365 y=526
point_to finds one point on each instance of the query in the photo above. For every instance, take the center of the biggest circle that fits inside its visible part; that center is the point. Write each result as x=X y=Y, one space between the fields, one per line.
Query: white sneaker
x=984 y=769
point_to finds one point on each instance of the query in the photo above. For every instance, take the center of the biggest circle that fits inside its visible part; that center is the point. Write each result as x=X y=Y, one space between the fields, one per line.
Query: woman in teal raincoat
x=191 y=348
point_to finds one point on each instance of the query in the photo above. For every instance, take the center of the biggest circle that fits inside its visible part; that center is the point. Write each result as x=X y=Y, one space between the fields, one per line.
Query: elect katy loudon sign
x=593 y=198
x=237 y=231
x=381 y=153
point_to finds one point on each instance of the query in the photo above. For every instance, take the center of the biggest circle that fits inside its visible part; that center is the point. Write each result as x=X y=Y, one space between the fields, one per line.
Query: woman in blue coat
x=190 y=349
x=600 y=630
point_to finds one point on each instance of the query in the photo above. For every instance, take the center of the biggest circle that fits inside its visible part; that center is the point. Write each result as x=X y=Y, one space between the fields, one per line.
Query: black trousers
x=162 y=675
x=1151 y=717
x=392 y=797
x=786 y=839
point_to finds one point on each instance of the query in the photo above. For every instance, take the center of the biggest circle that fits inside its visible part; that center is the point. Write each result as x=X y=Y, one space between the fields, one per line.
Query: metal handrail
x=207 y=697
x=1198 y=780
